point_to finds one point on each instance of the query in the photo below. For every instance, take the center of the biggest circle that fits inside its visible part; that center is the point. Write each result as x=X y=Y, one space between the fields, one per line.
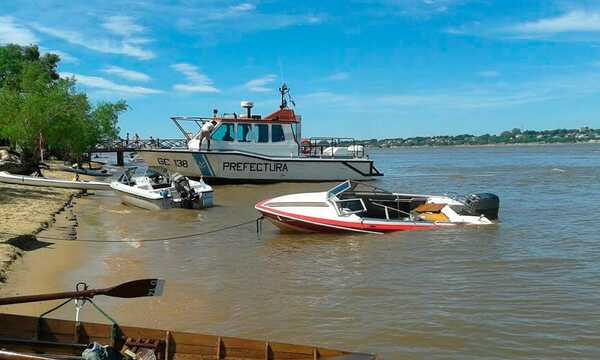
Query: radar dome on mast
x=248 y=105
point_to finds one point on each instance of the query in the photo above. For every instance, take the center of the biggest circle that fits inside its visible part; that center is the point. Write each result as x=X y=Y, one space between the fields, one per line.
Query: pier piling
x=120 y=161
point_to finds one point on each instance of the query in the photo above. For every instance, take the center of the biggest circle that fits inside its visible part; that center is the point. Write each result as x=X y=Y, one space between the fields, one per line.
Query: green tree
x=38 y=108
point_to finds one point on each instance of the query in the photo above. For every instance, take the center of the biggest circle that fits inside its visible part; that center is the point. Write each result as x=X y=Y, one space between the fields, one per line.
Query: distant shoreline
x=483 y=145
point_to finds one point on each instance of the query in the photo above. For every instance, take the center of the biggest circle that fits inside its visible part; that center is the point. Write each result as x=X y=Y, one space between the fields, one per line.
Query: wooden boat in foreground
x=55 y=339
x=37 y=338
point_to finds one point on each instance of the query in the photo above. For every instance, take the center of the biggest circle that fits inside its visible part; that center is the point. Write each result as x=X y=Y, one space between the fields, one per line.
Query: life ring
x=305 y=146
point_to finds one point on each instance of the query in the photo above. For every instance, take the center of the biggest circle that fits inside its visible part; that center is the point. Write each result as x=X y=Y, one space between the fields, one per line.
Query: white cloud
x=260 y=84
x=328 y=98
x=124 y=46
x=213 y=21
x=574 y=21
x=195 y=88
x=466 y=98
x=420 y=8
x=338 y=76
x=96 y=82
x=197 y=82
x=488 y=73
x=245 y=7
x=13 y=33
x=126 y=74
x=122 y=25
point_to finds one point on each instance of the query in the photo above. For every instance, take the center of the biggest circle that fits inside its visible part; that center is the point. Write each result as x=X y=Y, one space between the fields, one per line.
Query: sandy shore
x=24 y=212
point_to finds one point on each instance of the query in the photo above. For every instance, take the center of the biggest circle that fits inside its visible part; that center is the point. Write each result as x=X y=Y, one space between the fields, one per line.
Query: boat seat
x=397 y=208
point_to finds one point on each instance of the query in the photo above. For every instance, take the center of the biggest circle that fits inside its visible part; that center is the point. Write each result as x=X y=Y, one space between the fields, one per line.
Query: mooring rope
x=176 y=237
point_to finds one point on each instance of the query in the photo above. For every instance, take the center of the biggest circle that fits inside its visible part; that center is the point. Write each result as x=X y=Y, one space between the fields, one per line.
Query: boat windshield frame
x=127 y=175
x=198 y=120
x=341 y=210
x=339 y=189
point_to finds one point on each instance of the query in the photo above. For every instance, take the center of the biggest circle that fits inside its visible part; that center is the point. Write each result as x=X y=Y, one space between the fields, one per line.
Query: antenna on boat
x=285 y=96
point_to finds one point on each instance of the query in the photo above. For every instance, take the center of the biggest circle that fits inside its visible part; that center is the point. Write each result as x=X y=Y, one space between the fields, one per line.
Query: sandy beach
x=25 y=211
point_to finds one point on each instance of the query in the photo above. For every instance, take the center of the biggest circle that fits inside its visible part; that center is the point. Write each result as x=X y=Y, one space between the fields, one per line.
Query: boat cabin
x=277 y=134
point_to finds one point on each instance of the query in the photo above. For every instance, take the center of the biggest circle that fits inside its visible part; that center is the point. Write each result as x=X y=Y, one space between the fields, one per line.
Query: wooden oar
x=131 y=289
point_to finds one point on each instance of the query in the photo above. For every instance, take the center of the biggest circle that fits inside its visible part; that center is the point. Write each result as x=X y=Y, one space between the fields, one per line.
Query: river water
x=527 y=288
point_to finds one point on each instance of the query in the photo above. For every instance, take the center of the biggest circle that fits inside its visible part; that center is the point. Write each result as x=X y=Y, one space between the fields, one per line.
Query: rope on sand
x=175 y=237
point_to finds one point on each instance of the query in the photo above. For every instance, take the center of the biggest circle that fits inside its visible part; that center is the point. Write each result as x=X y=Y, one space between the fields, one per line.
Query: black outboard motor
x=186 y=192
x=485 y=204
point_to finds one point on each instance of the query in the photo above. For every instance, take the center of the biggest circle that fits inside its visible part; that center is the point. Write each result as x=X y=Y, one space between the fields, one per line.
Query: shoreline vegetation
x=584 y=135
x=44 y=115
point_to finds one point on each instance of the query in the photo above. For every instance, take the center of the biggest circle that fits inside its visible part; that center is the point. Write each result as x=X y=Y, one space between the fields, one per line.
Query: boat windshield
x=338 y=189
x=350 y=206
x=158 y=175
x=127 y=175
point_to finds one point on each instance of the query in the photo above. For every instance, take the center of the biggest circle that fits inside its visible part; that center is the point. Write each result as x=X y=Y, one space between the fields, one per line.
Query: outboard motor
x=185 y=191
x=485 y=204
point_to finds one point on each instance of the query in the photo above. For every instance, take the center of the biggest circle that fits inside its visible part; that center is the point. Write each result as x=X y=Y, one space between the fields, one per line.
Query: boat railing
x=328 y=147
x=198 y=120
x=133 y=144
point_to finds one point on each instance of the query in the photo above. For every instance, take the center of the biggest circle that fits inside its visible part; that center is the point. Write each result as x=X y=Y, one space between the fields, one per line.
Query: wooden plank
x=291 y=348
x=196 y=349
x=193 y=339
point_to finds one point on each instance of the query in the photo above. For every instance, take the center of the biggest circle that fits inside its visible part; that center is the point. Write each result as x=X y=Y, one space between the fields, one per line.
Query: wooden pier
x=129 y=145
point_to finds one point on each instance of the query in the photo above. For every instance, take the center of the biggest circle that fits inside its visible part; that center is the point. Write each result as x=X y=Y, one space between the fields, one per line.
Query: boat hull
x=56 y=183
x=248 y=167
x=144 y=203
x=205 y=201
x=47 y=337
x=288 y=221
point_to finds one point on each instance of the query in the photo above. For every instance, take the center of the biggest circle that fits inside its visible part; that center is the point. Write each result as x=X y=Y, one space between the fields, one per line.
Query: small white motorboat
x=359 y=207
x=155 y=189
x=9 y=178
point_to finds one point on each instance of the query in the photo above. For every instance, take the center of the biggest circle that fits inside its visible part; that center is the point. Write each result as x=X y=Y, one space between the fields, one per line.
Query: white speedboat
x=358 y=207
x=252 y=148
x=156 y=189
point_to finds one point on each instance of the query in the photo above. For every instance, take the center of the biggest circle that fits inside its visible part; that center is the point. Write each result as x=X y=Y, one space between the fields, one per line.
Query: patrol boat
x=252 y=148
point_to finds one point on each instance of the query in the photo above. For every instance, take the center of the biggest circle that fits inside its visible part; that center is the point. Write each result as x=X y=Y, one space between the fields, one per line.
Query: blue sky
x=362 y=68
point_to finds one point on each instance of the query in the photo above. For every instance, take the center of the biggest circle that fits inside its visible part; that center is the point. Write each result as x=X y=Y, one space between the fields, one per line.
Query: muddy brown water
x=527 y=288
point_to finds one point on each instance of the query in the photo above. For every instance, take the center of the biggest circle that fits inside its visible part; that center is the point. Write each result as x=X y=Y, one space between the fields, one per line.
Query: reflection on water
x=525 y=288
